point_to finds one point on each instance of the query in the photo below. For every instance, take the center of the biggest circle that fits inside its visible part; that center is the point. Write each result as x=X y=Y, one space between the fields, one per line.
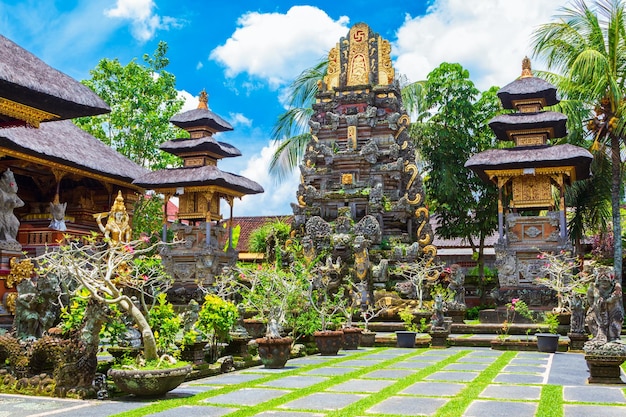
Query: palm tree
x=291 y=130
x=587 y=46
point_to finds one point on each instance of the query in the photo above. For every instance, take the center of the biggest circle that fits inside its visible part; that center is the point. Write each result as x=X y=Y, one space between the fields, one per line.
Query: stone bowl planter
x=274 y=353
x=328 y=342
x=351 y=338
x=149 y=383
x=368 y=339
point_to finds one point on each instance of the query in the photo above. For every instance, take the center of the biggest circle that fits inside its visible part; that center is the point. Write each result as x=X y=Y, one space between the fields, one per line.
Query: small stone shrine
x=361 y=194
x=528 y=176
x=199 y=186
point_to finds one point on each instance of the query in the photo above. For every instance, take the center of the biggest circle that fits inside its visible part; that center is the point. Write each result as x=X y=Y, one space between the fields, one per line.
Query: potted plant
x=371 y=311
x=327 y=301
x=549 y=342
x=215 y=319
x=107 y=271
x=406 y=338
x=275 y=294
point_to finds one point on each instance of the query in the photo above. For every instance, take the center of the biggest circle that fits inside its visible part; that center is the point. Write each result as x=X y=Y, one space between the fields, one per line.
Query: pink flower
x=541 y=256
x=145 y=238
x=145 y=277
x=514 y=301
x=129 y=249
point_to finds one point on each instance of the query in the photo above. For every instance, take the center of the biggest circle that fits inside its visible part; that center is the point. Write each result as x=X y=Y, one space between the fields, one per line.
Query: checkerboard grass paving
x=476 y=389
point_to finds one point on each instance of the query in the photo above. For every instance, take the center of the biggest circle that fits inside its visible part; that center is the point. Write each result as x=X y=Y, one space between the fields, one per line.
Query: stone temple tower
x=361 y=192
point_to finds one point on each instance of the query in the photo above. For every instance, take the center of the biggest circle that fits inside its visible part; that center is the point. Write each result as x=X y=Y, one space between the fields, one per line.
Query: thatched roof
x=203 y=144
x=200 y=117
x=208 y=175
x=65 y=143
x=26 y=79
x=504 y=124
x=525 y=88
x=532 y=157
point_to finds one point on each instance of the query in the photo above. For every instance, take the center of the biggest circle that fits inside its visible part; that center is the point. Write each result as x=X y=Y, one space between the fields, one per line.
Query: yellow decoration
x=117 y=228
x=358 y=56
x=19 y=271
x=346 y=179
x=28 y=114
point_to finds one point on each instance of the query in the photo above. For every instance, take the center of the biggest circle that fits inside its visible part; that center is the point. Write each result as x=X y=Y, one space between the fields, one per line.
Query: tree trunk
x=149 y=342
x=481 y=268
x=616 y=182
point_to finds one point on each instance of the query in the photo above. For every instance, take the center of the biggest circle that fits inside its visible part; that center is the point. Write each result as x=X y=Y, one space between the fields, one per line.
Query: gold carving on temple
x=358 y=70
x=411 y=167
x=346 y=179
x=19 y=270
x=11 y=302
x=530 y=140
x=117 y=227
x=532 y=191
x=19 y=111
x=386 y=72
x=331 y=79
x=526 y=68
x=352 y=141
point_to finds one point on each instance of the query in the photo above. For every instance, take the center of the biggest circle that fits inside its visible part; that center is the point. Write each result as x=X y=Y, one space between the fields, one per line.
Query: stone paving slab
x=23 y=406
x=295 y=381
x=229 y=379
x=592 y=411
x=323 y=401
x=412 y=365
x=526 y=369
x=484 y=408
x=389 y=374
x=362 y=385
x=335 y=370
x=477 y=359
x=246 y=396
x=409 y=406
x=443 y=389
x=519 y=379
x=194 y=411
x=287 y=414
x=466 y=367
x=597 y=394
x=512 y=392
x=452 y=376
x=361 y=362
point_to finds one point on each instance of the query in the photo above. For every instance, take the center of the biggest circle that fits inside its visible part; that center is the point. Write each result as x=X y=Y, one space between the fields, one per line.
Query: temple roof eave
x=205 y=176
x=203 y=144
x=505 y=124
x=200 y=118
x=525 y=88
x=535 y=157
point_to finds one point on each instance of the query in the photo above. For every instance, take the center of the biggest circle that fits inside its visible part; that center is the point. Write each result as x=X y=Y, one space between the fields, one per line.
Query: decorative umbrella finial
x=203 y=102
x=526 y=70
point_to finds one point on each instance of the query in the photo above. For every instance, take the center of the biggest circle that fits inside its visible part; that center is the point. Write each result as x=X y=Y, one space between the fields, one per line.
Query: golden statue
x=117 y=228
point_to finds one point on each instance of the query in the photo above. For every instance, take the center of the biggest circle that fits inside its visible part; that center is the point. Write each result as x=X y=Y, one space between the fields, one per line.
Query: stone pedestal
x=577 y=340
x=439 y=338
x=604 y=369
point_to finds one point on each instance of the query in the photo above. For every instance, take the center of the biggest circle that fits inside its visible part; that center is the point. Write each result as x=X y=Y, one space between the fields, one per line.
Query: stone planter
x=255 y=328
x=604 y=369
x=274 y=353
x=577 y=341
x=457 y=316
x=351 y=337
x=439 y=338
x=405 y=339
x=368 y=339
x=193 y=353
x=148 y=383
x=523 y=345
x=328 y=342
x=547 y=342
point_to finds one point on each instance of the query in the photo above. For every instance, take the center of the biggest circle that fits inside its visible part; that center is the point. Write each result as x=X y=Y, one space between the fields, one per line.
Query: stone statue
x=605 y=314
x=457 y=285
x=190 y=316
x=26 y=316
x=57 y=210
x=9 y=224
x=117 y=227
x=436 y=320
x=577 y=320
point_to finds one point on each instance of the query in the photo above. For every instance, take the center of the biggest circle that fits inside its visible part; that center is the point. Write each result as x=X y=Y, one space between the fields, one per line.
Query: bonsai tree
x=417 y=274
x=107 y=271
x=371 y=311
x=326 y=295
x=562 y=277
x=275 y=294
x=215 y=318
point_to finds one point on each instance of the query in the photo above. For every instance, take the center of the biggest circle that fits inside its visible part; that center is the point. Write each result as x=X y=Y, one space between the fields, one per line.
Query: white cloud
x=238 y=119
x=144 y=22
x=488 y=37
x=276 y=47
x=191 y=101
x=277 y=197
x=199 y=65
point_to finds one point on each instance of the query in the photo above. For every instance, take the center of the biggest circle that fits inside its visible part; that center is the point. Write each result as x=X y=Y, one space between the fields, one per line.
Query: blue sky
x=244 y=53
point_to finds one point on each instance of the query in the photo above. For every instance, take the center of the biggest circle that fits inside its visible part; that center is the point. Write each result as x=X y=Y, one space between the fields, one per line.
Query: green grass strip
x=457 y=405
x=551 y=401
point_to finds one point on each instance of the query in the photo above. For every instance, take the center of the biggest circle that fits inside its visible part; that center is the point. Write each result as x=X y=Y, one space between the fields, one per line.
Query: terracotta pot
x=148 y=383
x=255 y=328
x=351 y=338
x=328 y=342
x=274 y=353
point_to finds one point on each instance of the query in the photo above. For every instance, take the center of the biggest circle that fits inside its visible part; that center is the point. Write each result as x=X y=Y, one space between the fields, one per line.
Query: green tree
x=465 y=205
x=586 y=49
x=142 y=99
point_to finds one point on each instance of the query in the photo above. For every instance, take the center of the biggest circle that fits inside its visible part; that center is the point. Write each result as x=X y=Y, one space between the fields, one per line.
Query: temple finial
x=526 y=69
x=203 y=102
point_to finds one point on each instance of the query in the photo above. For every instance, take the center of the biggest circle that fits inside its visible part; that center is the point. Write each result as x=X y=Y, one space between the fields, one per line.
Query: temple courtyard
x=379 y=381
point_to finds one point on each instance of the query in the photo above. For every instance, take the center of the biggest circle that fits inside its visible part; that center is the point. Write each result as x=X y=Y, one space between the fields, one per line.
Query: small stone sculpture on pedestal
x=605 y=352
